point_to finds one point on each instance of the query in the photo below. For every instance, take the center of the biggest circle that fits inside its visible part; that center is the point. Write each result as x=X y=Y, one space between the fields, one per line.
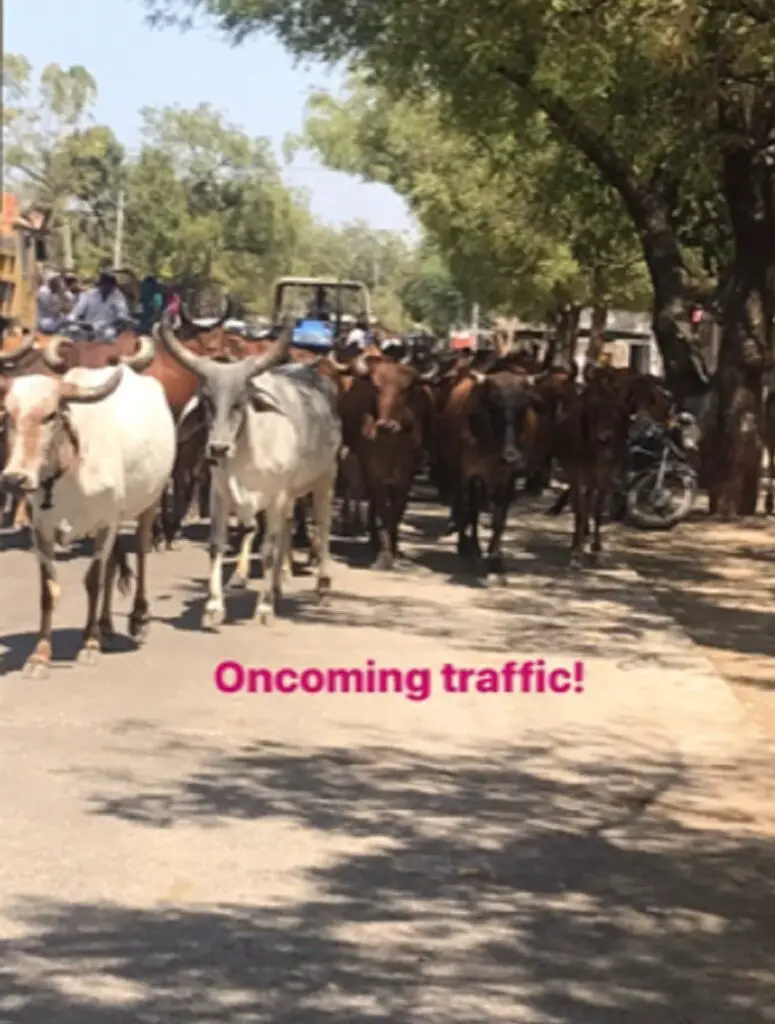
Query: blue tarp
x=314 y=334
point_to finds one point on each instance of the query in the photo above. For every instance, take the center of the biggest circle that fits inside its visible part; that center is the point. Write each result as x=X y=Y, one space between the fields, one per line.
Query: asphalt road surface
x=172 y=853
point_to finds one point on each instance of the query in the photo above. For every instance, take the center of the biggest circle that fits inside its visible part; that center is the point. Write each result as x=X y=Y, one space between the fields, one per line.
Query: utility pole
x=67 y=242
x=118 y=245
x=2 y=97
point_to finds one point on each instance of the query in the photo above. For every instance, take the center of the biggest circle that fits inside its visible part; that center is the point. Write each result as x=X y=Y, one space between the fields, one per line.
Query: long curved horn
x=52 y=355
x=196 y=364
x=342 y=367
x=143 y=357
x=277 y=354
x=429 y=375
x=361 y=366
x=9 y=360
x=69 y=391
x=406 y=360
x=478 y=376
x=190 y=325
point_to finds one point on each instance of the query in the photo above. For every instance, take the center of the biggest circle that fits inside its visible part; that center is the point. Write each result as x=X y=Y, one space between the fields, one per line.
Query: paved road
x=169 y=853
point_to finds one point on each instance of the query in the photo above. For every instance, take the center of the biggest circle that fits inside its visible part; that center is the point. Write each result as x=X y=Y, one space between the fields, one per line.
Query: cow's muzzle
x=388 y=427
x=513 y=457
x=219 y=451
x=18 y=483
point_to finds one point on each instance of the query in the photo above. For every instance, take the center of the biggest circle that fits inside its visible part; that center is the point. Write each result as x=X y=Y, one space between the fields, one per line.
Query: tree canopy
x=670 y=102
x=523 y=223
x=202 y=199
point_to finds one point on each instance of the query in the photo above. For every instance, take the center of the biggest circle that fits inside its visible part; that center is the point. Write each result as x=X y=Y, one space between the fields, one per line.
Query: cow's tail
x=559 y=504
x=125 y=574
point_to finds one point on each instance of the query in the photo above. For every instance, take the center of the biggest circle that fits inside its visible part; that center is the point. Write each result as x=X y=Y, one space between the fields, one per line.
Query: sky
x=255 y=85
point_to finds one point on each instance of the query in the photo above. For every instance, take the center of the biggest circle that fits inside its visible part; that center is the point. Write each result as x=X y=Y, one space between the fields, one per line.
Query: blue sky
x=255 y=85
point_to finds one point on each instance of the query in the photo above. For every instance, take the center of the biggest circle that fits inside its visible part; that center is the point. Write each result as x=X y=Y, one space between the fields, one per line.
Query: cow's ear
x=260 y=401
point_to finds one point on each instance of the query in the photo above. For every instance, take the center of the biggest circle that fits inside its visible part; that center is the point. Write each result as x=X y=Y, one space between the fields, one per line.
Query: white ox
x=94 y=448
x=272 y=437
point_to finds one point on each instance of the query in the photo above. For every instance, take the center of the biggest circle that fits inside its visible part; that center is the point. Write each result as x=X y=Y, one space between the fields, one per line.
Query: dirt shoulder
x=717 y=580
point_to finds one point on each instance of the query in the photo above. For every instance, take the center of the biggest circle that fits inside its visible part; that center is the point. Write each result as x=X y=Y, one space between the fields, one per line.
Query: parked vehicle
x=660 y=484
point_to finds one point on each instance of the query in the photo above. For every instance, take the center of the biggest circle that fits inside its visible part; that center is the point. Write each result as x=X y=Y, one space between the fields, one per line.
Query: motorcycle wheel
x=680 y=492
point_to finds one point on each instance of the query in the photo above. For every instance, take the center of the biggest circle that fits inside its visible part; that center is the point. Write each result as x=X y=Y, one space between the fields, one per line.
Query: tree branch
x=613 y=167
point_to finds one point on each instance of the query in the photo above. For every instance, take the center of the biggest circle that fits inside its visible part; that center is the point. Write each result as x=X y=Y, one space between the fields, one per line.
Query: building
x=628 y=337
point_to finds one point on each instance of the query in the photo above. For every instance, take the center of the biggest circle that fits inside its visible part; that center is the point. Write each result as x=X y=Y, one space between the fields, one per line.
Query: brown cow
x=493 y=432
x=386 y=418
x=590 y=441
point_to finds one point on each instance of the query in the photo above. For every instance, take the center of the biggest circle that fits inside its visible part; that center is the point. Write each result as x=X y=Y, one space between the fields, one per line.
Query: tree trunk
x=747 y=337
x=566 y=333
x=649 y=204
x=597 y=327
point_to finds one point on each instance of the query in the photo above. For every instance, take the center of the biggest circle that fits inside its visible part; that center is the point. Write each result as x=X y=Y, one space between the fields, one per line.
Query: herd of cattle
x=97 y=434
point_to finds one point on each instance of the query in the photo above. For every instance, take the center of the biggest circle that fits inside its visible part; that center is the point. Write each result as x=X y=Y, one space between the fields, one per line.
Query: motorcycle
x=660 y=483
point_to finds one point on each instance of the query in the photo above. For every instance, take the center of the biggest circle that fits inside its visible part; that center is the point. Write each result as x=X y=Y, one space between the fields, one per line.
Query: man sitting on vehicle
x=320 y=307
x=54 y=302
x=103 y=306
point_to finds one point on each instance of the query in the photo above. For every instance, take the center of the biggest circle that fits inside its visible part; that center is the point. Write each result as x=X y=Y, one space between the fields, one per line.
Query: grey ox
x=274 y=434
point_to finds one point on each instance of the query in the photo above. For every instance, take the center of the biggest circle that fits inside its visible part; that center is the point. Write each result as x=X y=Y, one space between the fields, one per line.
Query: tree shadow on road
x=524 y=885
x=15 y=648
x=713 y=579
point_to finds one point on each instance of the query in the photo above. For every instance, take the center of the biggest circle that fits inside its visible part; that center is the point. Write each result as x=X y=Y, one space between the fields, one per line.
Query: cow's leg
x=215 y=609
x=382 y=512
x=287 y=563
x=373 y=524
x=502 y=499
x=597 y=506
x=7 y=507
x=769 y=500
x=277 y=516
x=301 y=537
x=475 y=502
x=579 y=498
x=248 y=529
x=139 y=619
x=205 y=483
x=37 y=665
x=105 y=624
x=460 y=513
x=401 y=496
x=94 y=581
x=322 y=511
x=21 y=516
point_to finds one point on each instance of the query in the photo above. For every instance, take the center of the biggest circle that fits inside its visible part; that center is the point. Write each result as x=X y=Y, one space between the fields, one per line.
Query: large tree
x=655 y=94
x=525 y=225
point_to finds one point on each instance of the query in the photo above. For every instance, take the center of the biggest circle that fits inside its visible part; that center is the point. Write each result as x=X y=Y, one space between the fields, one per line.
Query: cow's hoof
x=496 y=566
x=384 y=561
x=265 y=615
x=238 y=581
x=36 y=668
x=323 y=588
x=213 y=616
x=138 y=629
x=769 y=505
x=89 y=654
x=107 y=636
x=576 y=561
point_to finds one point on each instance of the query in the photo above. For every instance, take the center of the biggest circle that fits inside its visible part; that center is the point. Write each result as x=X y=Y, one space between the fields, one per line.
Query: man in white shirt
x=103 y=305
x=54 y=301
